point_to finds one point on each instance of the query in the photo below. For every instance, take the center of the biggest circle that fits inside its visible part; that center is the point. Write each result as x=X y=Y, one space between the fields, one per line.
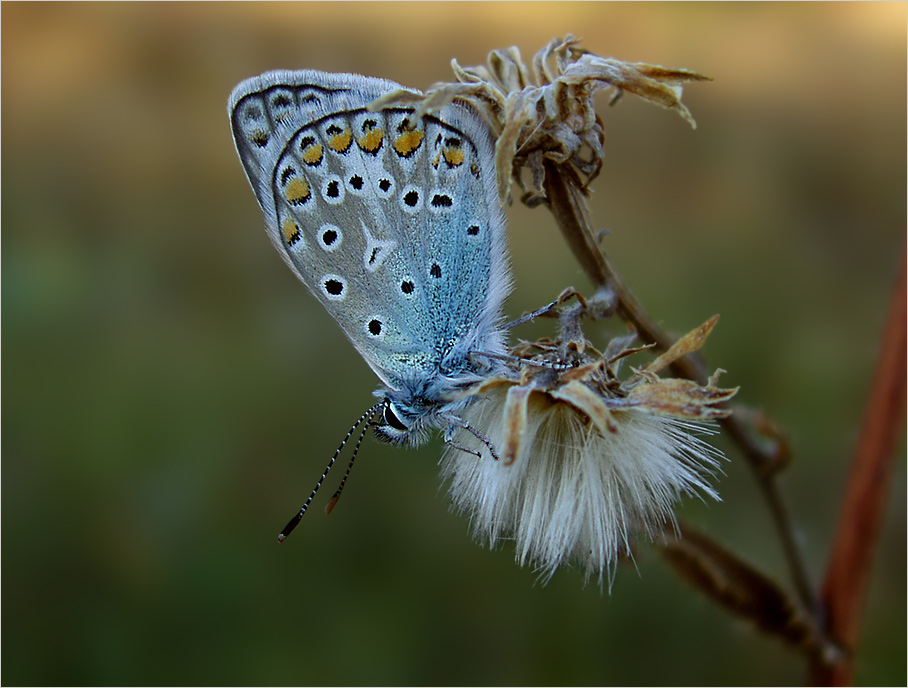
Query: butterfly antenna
x=337 y=494
x=302 y=512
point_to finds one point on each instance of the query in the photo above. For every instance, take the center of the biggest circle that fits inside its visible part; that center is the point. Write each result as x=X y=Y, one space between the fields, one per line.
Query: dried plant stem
x=567 y=203
x=547 y=125
x=848 y=571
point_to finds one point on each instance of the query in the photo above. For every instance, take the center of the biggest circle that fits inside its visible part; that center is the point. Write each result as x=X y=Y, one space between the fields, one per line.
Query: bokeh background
x=172 y=392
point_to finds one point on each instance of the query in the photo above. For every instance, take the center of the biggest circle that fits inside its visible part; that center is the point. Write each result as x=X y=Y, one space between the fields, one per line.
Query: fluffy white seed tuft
x=575 y=493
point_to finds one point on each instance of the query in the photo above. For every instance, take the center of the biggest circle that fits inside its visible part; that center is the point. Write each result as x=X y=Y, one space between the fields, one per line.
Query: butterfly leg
x=460 y=447
x=461 y=423
x=546 y=310
x=529 y=317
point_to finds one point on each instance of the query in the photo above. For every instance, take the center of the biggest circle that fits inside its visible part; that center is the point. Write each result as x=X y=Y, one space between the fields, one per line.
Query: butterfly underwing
x=394 y=225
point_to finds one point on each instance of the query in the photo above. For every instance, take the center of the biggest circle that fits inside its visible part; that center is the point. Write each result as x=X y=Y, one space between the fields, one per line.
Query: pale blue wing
x=397 y=231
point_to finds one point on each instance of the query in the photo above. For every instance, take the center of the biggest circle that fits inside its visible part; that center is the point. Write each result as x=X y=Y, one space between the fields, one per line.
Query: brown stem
x=848 y=572
x=567 y=204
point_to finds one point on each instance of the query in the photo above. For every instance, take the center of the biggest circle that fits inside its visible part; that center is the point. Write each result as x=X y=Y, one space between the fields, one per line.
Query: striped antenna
x=302 y=512
x=333 y=502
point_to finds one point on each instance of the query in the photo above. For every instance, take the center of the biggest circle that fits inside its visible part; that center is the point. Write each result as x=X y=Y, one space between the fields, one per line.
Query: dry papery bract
x=552 y=115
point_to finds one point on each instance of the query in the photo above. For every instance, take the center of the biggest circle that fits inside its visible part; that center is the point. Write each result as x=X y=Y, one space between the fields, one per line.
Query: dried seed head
x=588 y=462
x=550 y=115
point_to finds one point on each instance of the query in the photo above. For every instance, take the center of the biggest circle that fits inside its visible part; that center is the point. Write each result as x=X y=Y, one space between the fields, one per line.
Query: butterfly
x=394 y=224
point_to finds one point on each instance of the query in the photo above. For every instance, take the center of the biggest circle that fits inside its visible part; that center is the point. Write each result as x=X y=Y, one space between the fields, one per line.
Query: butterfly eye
x=392 y=419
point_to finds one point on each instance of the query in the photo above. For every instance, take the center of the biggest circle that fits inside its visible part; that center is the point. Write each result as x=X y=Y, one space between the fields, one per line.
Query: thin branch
x=566 y=202
x=848 y=572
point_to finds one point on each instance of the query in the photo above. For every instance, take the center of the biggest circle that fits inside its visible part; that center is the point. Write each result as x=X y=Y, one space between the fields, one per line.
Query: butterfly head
x=403 y=421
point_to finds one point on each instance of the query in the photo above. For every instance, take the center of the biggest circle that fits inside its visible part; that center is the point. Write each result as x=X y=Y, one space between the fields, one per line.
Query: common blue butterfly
x=394 y=225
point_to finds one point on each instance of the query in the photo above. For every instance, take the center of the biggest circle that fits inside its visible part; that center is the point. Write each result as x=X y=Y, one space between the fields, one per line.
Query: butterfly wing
x=396 y=230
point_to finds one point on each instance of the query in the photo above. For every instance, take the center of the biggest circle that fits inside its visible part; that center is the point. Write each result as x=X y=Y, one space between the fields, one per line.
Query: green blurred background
x=172 y=392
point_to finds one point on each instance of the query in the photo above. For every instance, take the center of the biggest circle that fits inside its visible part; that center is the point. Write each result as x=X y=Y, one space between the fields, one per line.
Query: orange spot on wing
x=339 y=143
x=297 y=191
x=291 y=231
x=313 y=154
x=407 y=143
x=370 y=142
x=454 y=156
